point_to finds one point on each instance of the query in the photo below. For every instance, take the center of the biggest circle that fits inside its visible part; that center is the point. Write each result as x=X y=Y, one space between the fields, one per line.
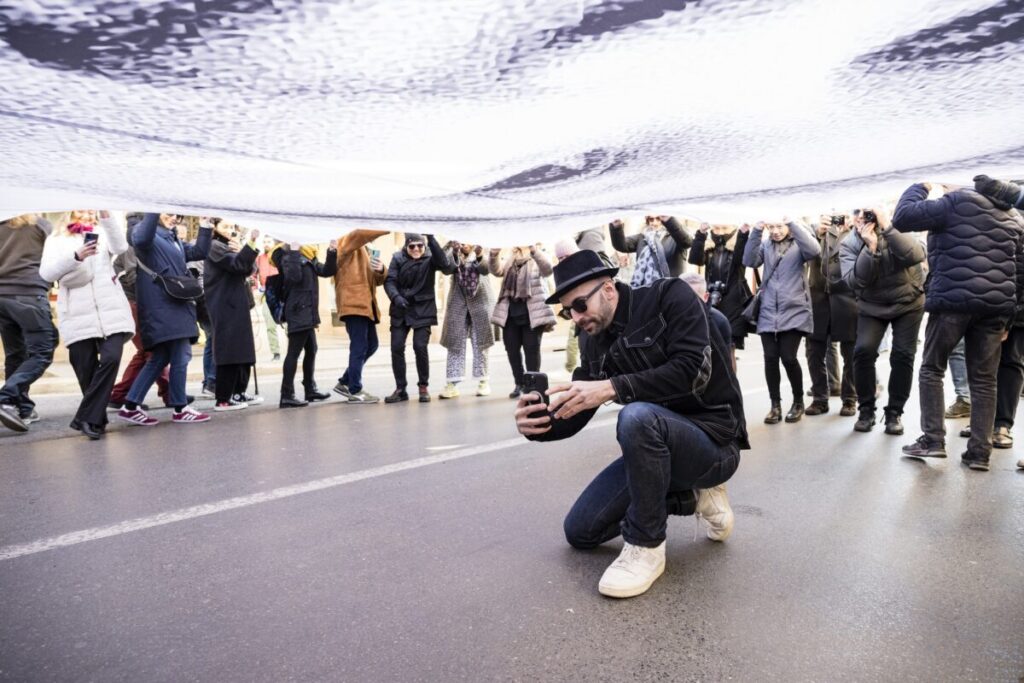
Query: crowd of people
x=644 y=332
x=842 y=286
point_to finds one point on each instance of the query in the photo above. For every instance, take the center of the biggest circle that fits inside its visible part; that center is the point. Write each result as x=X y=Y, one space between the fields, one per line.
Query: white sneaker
x=714 y=509
x=483 y=388
x=633 y=572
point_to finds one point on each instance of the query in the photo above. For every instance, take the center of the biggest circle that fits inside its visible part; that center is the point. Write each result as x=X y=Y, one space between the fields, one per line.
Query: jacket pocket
x=643 y=346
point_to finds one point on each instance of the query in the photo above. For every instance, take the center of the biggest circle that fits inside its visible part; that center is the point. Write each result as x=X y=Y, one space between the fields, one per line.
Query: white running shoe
x=483 y=388
x=633 y=572
x=714 y=509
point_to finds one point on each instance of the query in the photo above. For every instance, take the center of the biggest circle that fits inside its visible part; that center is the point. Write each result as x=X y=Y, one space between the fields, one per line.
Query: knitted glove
x=1000 y=190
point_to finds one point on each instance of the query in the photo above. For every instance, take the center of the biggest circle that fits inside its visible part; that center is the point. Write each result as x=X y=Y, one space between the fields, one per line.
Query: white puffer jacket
x=90 y=301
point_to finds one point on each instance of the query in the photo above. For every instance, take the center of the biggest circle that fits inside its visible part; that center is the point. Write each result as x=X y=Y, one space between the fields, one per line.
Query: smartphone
x=375 y=253
x=91 y=237
x=536 y=381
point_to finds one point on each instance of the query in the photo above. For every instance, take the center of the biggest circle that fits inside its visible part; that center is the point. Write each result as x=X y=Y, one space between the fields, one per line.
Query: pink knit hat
x=564 y=248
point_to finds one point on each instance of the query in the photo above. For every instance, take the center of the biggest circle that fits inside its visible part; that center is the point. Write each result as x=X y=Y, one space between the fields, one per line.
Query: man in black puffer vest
x=974 y=290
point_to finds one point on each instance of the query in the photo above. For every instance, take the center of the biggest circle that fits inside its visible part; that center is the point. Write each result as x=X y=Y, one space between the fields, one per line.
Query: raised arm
x=115 y=232
x=697 y=249
x=753 y=252
x=494 y=259
x=543 y=262
x=198 y=250
x=330 y=265
x=357 y=239
x=620 y=242
x=439 y=258
x=680 y=235
x=810 y=249
x=916 y=213
x=145 y=231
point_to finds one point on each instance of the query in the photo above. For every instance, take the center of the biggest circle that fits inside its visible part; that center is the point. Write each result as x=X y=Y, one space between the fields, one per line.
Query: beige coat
x=355 y=283
x=541 y=315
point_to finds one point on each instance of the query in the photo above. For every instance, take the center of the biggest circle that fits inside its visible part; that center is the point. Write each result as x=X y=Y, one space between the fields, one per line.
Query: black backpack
x=275 y=295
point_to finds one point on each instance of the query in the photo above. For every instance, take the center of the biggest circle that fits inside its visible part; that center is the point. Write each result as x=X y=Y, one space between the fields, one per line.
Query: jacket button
x=647 y=340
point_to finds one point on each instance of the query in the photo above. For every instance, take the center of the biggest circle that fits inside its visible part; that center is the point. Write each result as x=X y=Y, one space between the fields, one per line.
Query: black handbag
x=181 y=287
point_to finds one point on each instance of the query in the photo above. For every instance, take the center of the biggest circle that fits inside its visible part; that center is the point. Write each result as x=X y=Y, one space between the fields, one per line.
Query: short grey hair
x=697 y=281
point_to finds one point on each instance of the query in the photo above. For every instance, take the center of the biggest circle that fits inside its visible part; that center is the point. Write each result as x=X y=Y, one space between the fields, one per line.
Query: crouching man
x=681 y=428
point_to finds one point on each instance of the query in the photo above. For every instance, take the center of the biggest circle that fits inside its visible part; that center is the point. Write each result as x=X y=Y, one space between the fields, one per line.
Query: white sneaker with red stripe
x=189 y=415
x=137 y=417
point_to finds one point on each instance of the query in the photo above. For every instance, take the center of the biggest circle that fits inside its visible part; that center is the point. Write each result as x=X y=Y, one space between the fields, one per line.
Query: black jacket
x=833 y=304
x=228 y=299
x=414 y=280
x=723 y=263
x=675 y=243
x=975 y=251
x=888 y=283
x=661 y=348
x=301 y=287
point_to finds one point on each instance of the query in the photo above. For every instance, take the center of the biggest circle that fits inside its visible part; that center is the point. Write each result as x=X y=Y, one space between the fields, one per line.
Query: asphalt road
x=424 y=543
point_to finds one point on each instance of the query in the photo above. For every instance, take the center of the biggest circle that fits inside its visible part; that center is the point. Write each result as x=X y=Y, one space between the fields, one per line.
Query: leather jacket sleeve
x=697 y=250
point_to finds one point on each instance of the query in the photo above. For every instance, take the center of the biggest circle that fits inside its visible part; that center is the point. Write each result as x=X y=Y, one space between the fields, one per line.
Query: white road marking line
x=75 y=537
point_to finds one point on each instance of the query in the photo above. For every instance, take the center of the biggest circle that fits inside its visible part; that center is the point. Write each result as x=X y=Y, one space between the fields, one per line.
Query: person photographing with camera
x=719 y=249
x=883 y=268
x=681 y=428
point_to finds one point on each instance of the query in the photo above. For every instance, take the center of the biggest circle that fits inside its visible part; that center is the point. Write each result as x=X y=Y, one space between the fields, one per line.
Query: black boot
x=424 y=394
x=288 y=400
x=865 y=422
x=313 y=394
x=817 y=408
x=774 y=415
x=893 y=425
x=796 y=411
x=397 y=395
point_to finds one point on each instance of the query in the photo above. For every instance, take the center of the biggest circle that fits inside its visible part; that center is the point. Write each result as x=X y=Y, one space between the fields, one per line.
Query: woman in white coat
x=93 y=315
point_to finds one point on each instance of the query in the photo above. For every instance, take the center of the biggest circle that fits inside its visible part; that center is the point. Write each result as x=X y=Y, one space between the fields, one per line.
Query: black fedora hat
x=576 y=268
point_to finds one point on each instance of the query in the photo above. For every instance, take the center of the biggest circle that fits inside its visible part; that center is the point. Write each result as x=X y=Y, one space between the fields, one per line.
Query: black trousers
x=870 y=331
x=420 y=337
x=1010 y=378
x=820 y=370
x=519 y=338
x=298 y=342
x=232 y=378
x=96 y=362
x=29 y=337
x=783 y=346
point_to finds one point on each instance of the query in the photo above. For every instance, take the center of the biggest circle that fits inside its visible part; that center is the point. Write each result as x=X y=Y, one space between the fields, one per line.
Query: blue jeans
x=362 y=340
x=958 y=369
x=662 y=453
x=177 y=352
x=209 y=367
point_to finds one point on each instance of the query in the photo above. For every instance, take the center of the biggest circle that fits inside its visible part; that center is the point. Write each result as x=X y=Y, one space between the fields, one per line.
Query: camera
x=838 y=220
x=716 y=290
x=869 y=216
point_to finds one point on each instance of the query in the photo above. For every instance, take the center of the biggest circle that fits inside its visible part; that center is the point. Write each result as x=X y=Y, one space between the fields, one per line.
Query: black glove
x=401 y=302
x=1000 y=190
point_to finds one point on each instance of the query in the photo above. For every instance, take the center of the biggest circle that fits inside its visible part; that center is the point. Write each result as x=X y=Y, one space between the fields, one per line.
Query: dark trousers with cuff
x=420 y=338
x=870 y=331
x=96 y=362
x=664 y=455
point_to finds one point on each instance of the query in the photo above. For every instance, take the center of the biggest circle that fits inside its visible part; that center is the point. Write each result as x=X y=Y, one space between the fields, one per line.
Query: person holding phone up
x=93 y=314
x=681 y=427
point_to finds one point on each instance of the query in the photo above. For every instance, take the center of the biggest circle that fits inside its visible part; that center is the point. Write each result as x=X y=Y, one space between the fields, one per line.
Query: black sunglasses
x=579 y=304
x=418 y=245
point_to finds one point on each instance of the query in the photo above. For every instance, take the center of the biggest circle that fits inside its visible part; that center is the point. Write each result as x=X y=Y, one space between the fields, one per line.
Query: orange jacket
x=355 y=284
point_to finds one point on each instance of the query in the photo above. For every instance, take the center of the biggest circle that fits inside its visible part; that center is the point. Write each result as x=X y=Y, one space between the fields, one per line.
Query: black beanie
x=414 y=237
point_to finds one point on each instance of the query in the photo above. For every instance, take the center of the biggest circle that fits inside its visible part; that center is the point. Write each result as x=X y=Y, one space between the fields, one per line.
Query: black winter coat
x=675 y=243
x=161 y=317
x=975 y=251
x=228 y=299
x=833 y=304
x=724 y=263
x=301 y=287
x=414 y=280
x=662 y=348
x=888 y=283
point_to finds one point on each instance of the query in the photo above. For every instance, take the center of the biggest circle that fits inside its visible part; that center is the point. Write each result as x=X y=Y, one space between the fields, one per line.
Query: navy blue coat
x=975 y=251
x=161 y=317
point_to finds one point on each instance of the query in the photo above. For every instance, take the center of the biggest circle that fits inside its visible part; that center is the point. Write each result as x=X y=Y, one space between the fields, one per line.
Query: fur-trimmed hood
x=730 y=244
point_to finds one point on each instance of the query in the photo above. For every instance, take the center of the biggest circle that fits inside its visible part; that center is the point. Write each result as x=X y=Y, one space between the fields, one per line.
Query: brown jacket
x=355 y=284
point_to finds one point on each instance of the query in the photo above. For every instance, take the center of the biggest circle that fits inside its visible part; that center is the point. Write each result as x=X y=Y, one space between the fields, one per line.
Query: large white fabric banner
x=501 y=121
